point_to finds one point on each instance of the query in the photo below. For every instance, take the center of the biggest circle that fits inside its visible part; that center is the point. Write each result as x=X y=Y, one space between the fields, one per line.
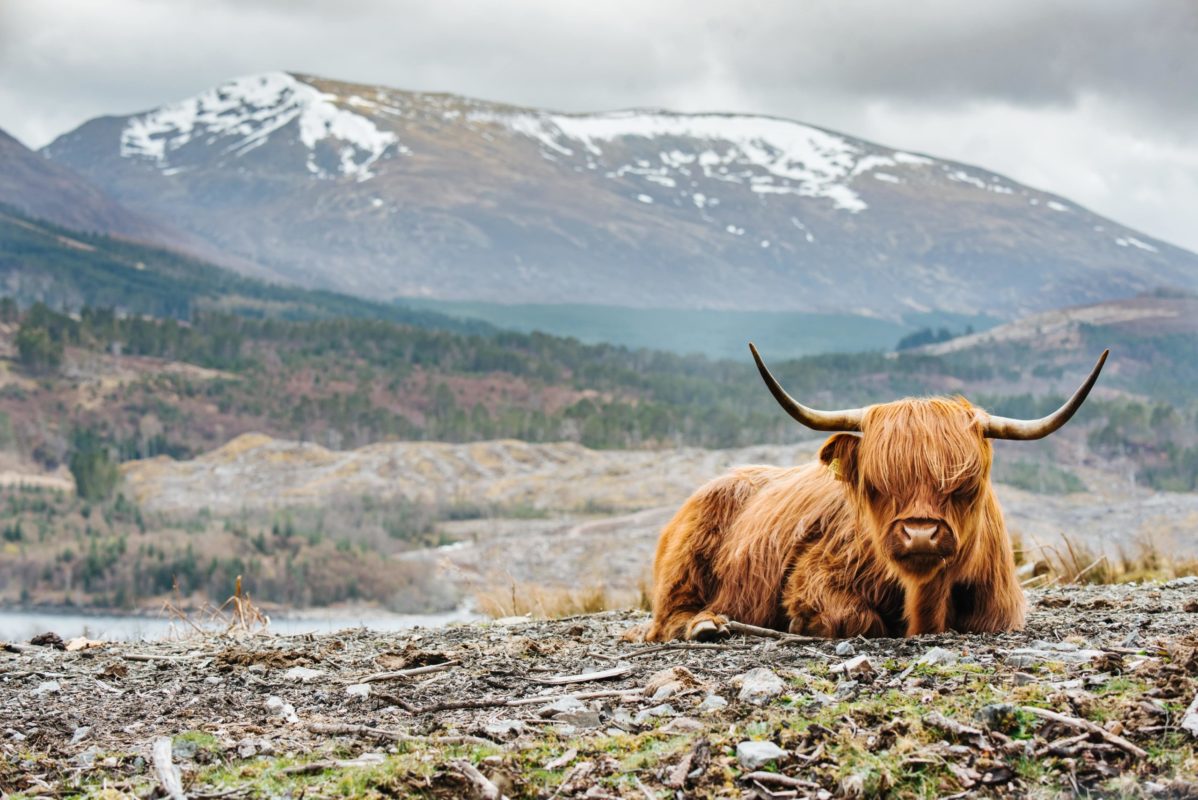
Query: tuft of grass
x=1075 y=562
x=554 y=602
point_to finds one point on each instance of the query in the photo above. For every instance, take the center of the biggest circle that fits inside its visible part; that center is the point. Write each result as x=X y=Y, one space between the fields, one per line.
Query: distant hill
x=41 y=262
x=387 y=193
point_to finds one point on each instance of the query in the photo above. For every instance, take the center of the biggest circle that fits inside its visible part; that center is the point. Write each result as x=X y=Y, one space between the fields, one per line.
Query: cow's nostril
x=920 y=534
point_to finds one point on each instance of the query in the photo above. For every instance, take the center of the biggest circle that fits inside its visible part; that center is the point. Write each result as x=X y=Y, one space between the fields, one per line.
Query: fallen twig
x=530 y=701
x=345 y=729
x=166 y=771
x=778 y=779
x=406 y=673
x=585 y=677
x=942 y=722
x=769 y=633
x=1086 y=725
x=648 y=651
x=481 y=783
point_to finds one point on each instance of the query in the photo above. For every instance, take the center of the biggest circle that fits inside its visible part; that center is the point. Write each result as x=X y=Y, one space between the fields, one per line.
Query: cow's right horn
x=847 y=420
x=1026 y=429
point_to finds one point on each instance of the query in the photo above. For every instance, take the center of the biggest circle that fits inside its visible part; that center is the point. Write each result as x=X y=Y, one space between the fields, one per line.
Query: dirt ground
x=1095 y=697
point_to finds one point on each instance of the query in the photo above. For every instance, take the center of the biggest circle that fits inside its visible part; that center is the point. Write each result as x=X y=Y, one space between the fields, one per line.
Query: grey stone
x=579 y=719
x=505 y=728
x=358 y=691
x=846 y=649
x=562 y=705
x=754 y=755
x=279 y=708
x=712 y=702
x=656 y=711
x=857 y=667
x=302 y=674
x=47 y=687
x=758 y=686
x=938 y=656
x=80 y=734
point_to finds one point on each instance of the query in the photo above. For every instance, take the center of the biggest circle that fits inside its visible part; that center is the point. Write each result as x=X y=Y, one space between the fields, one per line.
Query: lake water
x=20 y=626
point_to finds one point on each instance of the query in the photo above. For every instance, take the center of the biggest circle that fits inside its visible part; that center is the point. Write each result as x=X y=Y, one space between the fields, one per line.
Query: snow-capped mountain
x=391 y=193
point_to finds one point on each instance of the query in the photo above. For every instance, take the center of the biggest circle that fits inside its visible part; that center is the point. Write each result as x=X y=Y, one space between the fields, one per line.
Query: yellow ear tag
x=834 y=467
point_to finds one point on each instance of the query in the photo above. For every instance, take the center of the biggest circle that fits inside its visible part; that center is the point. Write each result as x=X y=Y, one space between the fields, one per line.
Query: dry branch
x=406 y=673
x=769 y=633
x=481 y=784
x=585 y=677
x=166 y=771
x=1089 y=727
x=777 y=779
x=344 y=729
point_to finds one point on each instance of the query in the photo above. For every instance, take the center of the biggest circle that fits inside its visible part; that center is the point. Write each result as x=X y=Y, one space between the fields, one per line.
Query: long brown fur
x=811 y=548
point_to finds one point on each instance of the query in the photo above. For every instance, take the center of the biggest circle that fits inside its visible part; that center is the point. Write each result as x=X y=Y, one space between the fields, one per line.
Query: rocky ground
x=1095 y=697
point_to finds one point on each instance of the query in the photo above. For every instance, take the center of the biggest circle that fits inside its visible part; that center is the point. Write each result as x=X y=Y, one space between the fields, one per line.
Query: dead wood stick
x=585 y=677
x=1086 y=725
x=406 y=673
x=549 y=698
x=345 y=729
x=745 y=629
x=648 y=651
x=166 y=771
x=942 y=722
x=157 y=657
x=778 y=779
x=482 y=785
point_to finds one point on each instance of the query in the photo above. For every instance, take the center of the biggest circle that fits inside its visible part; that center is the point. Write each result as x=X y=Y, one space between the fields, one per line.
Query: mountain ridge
x=390 y=193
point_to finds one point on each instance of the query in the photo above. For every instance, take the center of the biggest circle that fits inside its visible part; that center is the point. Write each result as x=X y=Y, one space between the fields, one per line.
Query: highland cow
x=895 y=531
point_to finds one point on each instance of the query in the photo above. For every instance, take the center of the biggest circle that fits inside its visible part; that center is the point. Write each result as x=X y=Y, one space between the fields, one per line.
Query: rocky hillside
x=387 y=193
x=1095 y=698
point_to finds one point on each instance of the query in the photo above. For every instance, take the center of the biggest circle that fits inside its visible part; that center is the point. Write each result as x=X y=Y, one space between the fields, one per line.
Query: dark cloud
x=1094 y=99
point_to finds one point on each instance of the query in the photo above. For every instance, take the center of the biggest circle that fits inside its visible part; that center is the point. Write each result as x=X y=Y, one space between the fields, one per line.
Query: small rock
x=302 y=674
x=247 y=748
x=858 y=667
x=48 y=639
x=846 y=649
x=14 y=735
x=1002 y=717
x=278 y=707
x=657 y=711
x=1177 y=583
x=562 y=705
x=510 y=621
x=682 y=725
x=712 y=702
x=1024 y=679
x=214 y=680
x=505 y=728
x=579 y=719
x=87 y=758
x=754 y=755
x=80 y=734
x=358 y=691
x=758 y=686
x=184 y=748
x=47 y=687
x=938 y=656
x=257 y=669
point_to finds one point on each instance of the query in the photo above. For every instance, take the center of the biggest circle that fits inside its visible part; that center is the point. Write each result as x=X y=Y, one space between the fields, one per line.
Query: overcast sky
x=1096 y=100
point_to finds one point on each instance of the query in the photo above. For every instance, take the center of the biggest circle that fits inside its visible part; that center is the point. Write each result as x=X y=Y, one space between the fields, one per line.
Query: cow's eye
x=963 y=494
x=872 y=491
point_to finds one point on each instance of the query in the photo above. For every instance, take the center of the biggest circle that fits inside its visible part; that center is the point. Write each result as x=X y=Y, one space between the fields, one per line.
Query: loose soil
x=480 y=710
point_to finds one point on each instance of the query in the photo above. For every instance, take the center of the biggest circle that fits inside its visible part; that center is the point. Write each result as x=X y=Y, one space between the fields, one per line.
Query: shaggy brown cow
x=894 y=531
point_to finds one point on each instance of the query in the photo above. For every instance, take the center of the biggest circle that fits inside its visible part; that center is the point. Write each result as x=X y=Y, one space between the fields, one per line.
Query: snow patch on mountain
x=246 y=111
x=771 y=156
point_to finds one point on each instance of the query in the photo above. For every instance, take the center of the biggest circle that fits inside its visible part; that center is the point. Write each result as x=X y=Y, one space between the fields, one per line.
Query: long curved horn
x=1025 y=429
x=846 y=420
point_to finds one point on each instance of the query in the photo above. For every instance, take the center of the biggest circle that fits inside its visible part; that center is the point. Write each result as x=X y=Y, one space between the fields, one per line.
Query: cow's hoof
x=707 y=630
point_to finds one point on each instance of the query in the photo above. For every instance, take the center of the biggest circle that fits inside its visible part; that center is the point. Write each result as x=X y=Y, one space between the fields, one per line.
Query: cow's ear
x=839 y=455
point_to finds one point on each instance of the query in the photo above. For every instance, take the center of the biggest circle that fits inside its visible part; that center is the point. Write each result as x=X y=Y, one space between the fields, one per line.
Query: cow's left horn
x=847 y=420
x=1025 y=429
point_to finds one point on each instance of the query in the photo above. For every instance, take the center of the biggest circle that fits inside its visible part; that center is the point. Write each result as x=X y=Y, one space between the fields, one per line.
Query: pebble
x=938 y=656
x=359 y=691
x=712 y=702
x=682 y=725
x=277 y=706
x=80 y=734
x=656 y=711
x=579 y=719
x=302 y=674
x=754 y=755
x=563 y=705
x=855 y=667
x=758 y=686
x=846 y=649
x=505 y=728
x=47 y=687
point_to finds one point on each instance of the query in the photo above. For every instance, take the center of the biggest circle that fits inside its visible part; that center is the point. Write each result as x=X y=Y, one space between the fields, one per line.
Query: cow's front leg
x=839 y=615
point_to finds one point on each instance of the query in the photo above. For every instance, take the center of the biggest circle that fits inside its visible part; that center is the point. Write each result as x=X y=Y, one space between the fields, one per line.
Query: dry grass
x=1073 y=561
x=554 y=602
x=237 y=616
